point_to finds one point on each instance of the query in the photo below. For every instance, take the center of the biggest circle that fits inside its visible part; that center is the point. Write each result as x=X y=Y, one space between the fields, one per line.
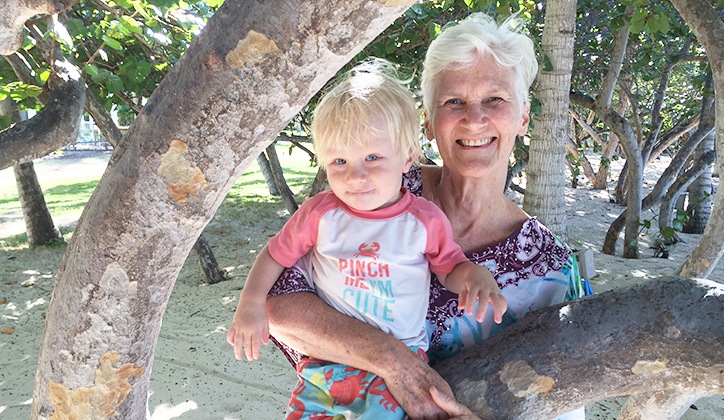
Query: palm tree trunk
x=38 y=222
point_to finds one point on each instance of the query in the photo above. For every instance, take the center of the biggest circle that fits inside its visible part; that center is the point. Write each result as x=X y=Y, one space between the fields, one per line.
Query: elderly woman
x=475 y=89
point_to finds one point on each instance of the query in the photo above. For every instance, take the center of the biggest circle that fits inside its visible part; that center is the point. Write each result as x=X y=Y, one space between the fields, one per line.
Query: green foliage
x=18 y=91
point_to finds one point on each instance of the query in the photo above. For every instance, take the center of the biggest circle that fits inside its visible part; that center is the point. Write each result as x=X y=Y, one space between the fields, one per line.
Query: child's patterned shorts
x=339 y=392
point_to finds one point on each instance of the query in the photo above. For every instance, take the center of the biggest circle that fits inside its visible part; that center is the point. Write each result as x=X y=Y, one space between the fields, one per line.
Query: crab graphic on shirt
x=368 y=250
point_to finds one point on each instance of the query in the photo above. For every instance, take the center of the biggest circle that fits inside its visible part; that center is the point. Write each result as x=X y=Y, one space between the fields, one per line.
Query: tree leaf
x=112 y=43
x=143 y=69
x=114 y=84
x=42 y=76
x=91 y=70
x=131 y=25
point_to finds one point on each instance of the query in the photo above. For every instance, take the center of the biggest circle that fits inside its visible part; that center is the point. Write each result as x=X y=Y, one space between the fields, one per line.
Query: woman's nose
x=476 y=114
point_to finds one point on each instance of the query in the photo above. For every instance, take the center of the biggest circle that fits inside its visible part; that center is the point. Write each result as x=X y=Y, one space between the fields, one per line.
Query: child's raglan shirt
x=372 y=265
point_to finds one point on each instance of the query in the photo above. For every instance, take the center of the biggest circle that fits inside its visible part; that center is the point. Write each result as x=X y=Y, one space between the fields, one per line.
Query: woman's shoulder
x=418 y=175
x=531 y=250
x=412 y=180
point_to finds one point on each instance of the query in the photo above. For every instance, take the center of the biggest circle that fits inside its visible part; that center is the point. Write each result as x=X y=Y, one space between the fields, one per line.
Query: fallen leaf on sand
x=8 y=331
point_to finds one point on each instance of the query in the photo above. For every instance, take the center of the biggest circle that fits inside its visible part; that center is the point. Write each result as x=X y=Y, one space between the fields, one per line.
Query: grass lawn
x=66 y=194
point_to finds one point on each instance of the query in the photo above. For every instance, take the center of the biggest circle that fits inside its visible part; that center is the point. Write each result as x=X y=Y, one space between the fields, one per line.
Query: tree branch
x=663 y=334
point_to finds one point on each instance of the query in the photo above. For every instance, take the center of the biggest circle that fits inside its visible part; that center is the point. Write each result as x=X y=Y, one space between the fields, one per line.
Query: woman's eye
x=372 y=157
x=453 y=102
x=339 y=161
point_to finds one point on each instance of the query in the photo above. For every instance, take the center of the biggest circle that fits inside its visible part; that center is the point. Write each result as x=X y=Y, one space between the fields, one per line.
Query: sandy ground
x=194 y=373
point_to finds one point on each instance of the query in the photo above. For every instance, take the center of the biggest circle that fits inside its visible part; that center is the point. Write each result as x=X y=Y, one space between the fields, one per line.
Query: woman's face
x=478 y=114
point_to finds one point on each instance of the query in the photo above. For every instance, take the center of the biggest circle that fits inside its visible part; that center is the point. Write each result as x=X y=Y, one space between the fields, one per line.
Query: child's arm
x=474 y=282
x=251 y=324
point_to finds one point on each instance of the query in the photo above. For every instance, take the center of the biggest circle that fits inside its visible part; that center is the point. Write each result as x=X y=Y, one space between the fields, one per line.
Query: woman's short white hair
x=476 y=36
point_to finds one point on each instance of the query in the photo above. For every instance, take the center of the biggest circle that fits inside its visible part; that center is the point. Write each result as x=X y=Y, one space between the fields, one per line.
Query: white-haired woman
x=475 y=89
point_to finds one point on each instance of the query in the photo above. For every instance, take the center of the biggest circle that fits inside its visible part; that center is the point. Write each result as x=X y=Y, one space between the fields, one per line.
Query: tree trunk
x=666 y=405
x=319 y=183
x=620 y=193
x=266 y=172
x=38 y=223
x=708 y=27
x=602 y=106
x=546 y=181
x=679 y=186
x=208 y=261
x=14 y=15
x=601 y=181
x=700 y=193
x=173 y=169
x=667 y=178
x=278 y=174
x=102 y=119
x=661 y=335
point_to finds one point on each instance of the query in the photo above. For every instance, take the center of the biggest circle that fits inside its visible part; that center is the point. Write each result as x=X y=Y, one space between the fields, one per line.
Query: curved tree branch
x=16 y=13
x=665 y=334
x=55 y=126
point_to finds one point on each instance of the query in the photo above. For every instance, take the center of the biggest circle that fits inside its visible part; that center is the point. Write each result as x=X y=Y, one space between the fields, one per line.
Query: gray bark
x=665 y=334
x=56 y=125
x=207 y=261
x=103 y=119
x=252 y=68
x=700 y=193
x=546 y=180
x=319 y=183
x=39 y=224
x=278 y=175
x=14 y=15
x=266 y=172
x=663 y=405
x=680 y=185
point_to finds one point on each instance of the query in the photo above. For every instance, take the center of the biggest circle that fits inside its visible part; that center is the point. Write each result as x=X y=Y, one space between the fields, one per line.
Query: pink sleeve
x=299 y=233
x=441 y=251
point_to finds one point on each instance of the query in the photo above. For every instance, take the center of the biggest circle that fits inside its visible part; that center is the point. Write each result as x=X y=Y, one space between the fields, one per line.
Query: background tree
x=708 y=27
x=700 y=192
x=545 y=187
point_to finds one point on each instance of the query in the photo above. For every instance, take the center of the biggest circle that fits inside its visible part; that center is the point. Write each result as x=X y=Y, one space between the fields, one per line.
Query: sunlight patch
x=564 y=313
x=167 y=412
x=30 y=305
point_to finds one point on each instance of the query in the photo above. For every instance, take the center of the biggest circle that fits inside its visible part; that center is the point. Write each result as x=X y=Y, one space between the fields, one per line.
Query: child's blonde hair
x=342 y=117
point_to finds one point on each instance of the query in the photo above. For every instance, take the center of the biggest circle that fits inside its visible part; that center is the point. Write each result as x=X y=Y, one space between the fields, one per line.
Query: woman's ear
x=526 y=119
x=428 y=127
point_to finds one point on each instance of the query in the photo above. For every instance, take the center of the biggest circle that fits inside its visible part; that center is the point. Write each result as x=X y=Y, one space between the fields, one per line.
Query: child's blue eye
x=372 y=157
x=340 y=161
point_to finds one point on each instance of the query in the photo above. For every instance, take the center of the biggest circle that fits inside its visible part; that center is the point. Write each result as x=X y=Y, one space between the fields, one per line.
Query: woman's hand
x=409 y=379
x=454 y=409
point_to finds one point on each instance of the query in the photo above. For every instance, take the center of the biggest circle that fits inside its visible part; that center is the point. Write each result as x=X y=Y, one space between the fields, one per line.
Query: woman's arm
x=294 y=319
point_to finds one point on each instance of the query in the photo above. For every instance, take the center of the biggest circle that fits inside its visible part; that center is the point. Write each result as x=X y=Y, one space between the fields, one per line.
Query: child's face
x=368 y=177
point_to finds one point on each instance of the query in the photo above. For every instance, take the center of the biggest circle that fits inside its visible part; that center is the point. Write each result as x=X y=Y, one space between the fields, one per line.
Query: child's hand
x=480 y=285
x=249 y=328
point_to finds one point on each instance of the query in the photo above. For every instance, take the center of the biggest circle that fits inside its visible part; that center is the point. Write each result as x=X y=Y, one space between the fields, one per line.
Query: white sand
x=194 y=374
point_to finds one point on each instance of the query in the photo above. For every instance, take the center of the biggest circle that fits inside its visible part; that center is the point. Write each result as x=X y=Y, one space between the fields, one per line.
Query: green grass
x=63 y=196
x=67 y=197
